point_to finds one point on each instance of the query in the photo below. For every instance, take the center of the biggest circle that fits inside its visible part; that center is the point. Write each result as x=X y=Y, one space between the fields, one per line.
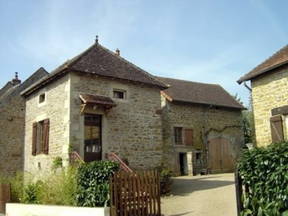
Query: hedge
x=93 y=183
x=265 y=171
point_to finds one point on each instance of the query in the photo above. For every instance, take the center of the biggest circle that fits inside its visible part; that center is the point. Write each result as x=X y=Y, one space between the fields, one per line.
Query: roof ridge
x=151 y=77
x=189 y=81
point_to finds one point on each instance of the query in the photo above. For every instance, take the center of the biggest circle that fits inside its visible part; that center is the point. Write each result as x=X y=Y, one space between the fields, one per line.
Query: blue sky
x=205 y=41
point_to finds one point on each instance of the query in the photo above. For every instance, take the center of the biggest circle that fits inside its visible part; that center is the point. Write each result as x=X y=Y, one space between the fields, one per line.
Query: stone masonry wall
x=132 y=129
x=56 y=108
x=207 y=123
x=268 y=92
x=12 y=115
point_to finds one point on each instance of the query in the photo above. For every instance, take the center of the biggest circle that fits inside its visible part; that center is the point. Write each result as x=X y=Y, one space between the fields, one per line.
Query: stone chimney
x=16 y=81
x=117 y=52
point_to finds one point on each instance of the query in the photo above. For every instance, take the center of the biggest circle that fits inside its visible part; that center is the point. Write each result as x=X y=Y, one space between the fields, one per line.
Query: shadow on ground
x=184 y=186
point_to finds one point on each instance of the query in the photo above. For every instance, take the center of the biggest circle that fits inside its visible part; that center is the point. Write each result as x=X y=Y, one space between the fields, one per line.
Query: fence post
x=239 y=192
x=5 y=196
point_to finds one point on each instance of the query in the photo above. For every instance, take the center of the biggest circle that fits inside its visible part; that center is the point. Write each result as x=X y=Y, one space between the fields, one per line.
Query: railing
x=5 y=196
x=135 y=194
x=241 y=192
x=113 y=157
x=74 y=157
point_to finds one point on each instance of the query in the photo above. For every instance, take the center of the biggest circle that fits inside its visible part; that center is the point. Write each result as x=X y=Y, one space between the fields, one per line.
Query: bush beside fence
x=264 y=172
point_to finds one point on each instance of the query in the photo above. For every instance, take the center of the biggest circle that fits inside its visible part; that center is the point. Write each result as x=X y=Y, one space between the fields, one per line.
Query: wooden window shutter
x=276 y=129
x=34 y=138
x=46 y=136
x=188 y=137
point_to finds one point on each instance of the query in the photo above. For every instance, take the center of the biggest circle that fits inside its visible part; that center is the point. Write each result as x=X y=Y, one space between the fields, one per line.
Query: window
x=178 y=135
x=120 y=94
x=40 y=137
x=42 y=98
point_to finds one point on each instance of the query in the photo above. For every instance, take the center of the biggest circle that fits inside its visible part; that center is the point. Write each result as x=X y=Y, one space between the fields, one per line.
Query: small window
x=120 y=94
x=178 y=135
x=42 y=98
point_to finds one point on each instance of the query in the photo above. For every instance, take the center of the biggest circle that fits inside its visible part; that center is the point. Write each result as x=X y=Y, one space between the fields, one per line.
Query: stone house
x=12 y=123
x=98 y=103
x=95 y=103
x=269 y=82
x=201 y=127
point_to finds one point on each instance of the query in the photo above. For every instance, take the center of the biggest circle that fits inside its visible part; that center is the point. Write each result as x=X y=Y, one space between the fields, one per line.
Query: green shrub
x=165 y=180
x=59 y=188
x=93 y=183
x=265 y=171
x=57 y=163
x=31 y=193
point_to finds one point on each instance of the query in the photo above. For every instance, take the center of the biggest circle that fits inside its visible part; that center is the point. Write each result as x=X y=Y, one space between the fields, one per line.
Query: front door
x=93 y=141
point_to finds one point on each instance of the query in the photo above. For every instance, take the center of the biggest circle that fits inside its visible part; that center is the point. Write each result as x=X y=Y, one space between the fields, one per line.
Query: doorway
x=93 y=137
x=220 y=155
x=183 y=163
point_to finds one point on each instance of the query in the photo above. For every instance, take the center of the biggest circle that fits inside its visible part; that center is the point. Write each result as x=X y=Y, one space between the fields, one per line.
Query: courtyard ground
x=211 y=195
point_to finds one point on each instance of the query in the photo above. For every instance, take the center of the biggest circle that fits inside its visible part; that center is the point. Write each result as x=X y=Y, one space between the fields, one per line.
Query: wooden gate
x=220 y=158
x=135 y=194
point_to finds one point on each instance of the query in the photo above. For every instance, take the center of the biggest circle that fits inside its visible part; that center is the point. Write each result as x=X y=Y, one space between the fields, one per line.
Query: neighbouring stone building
x=269 y=83
x=98 y=103
x=12 y=115
x=201 y=127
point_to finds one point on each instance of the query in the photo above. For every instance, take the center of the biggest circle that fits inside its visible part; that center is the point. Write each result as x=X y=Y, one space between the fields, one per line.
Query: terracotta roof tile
x=199 y=93
x=276 y=60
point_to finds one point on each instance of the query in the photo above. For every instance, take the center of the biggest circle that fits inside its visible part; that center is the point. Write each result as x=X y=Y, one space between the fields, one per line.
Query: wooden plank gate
x=135 y=194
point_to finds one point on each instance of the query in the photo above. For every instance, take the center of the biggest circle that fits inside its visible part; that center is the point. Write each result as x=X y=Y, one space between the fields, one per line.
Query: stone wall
x=56 y=109
x=132 y=129
x=12 y=114
x=268 y=92
x=207 y=123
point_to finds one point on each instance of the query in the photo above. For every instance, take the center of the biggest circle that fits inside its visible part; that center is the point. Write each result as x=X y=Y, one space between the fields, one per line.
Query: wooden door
x=220 y=157
x=93 y=138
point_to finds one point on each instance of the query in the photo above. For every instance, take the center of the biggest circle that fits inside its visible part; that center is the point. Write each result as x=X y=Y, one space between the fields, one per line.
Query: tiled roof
x=96 y=99
x=199 y=93
x=278 y=59
x=99 y=60
x=16 y=90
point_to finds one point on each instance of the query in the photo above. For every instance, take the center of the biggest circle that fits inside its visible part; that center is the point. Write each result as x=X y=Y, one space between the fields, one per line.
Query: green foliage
x=93 y=183
x=54 y=189
x=265 y=171
x=59 y=188
x=165 y=180
x=31 y=193
x=248 y=126
x=57 y=163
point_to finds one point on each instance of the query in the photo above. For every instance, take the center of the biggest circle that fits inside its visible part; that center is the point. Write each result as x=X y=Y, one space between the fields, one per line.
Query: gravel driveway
x=211 y=195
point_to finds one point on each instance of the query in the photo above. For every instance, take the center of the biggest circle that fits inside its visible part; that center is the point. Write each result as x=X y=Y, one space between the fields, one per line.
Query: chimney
x=16 y=81
x=117 y=52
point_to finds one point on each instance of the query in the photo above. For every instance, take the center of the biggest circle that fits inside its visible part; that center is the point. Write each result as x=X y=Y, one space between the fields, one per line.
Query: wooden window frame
x=40 y=137
x=178 y=136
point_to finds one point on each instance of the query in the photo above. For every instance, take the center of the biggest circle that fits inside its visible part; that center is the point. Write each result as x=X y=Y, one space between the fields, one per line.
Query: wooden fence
x=5 y=196
x=135 y=194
